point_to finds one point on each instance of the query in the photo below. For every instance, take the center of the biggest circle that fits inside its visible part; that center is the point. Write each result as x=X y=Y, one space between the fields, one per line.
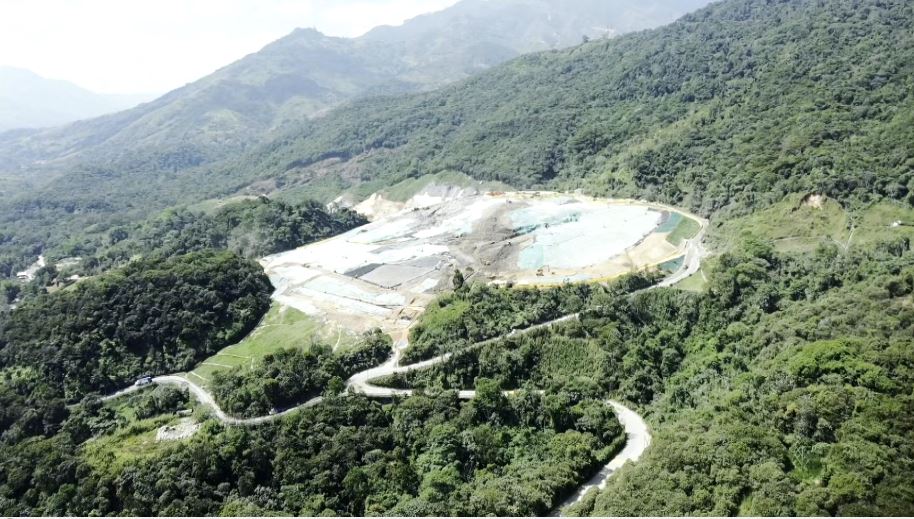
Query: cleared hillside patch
x=282 y=327
x=790 y=225
x=795 y=225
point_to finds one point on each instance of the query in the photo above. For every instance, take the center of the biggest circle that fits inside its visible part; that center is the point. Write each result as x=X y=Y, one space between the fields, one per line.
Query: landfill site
x=385 y=273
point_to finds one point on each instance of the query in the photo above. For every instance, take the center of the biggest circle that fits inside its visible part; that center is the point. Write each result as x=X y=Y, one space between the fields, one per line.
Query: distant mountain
x=728 y=109
x=306 y=72
x=28 y=100
x=474 y=35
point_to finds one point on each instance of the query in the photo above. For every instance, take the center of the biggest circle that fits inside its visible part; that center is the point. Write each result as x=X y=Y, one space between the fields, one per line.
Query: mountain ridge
x=29 y=100
x=302 y=75
x=725 y=111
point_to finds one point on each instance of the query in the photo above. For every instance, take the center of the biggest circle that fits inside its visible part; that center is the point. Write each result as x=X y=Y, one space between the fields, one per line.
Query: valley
x=470 y=213
x=511 y=258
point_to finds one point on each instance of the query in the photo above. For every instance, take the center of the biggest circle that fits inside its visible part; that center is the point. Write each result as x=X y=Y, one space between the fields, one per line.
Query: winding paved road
x=695 y=252
x=639 y=437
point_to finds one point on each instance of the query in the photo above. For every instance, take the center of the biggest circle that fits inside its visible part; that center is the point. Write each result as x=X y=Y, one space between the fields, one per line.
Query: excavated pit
x=385 y=273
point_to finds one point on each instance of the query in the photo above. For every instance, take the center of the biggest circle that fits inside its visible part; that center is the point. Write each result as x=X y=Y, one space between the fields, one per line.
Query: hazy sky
x=152 y=46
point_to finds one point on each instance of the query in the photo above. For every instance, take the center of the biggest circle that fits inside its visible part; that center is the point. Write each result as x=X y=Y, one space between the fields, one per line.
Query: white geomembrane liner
x=383 y=274
x=342 y=287
x=570 y=234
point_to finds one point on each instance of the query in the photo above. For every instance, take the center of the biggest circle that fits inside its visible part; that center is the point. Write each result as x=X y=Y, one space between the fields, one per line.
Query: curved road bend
x=639 y=437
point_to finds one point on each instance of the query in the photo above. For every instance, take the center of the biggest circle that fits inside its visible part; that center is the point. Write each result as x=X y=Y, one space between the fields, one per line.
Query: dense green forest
x=785 y=389
x=728 y=109
x=349 y=456
x=292 y=376
x=724 y=111
x=251 y=228
x=476 y=312
x=98 y=336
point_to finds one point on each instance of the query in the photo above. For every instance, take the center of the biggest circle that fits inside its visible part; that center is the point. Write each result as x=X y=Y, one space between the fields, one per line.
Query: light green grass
x=686 y=229
x=697 y=282
x=129 y=443
x=282 y=327
x=211 y=205
x=875 y=223
x=793 y=227
x=789 y=225
x=323 y=189
x=441 y=316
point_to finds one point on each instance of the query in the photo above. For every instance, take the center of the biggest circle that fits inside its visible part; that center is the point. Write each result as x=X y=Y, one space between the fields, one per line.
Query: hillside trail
x=636 y=429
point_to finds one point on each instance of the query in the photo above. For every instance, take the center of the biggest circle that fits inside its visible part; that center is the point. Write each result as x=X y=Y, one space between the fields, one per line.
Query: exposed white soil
x=184 y=429
x=384 y=274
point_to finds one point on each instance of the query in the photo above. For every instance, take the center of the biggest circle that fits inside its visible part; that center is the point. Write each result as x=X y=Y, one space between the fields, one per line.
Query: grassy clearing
x=323 y=189
x=134 y=442
x=876 y=223
x=282 y=327
x=686 y=229
x=439 y=315
x=697 y=282
x=794 y=227
x=212 y=205
x=789 y=225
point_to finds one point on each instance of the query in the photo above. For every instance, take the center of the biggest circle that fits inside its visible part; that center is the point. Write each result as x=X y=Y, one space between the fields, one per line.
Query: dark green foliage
x=161 y=400
x=349 y=456
x=190 y=144
x=786 y=389
x=728 y=109
x=595 y=361
x=149 y=317
x=252 y=229
x=91 y=418
x=724 y=111
x=478 y=312
x=292 y=376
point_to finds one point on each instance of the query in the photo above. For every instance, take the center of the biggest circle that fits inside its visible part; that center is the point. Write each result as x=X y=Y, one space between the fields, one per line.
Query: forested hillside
x=780 y=384
x=98 y=336
x=305 y=73
x=292 y=376
x=251 y=228
x=785 y=389
x=727 y=109
x=424 y=456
